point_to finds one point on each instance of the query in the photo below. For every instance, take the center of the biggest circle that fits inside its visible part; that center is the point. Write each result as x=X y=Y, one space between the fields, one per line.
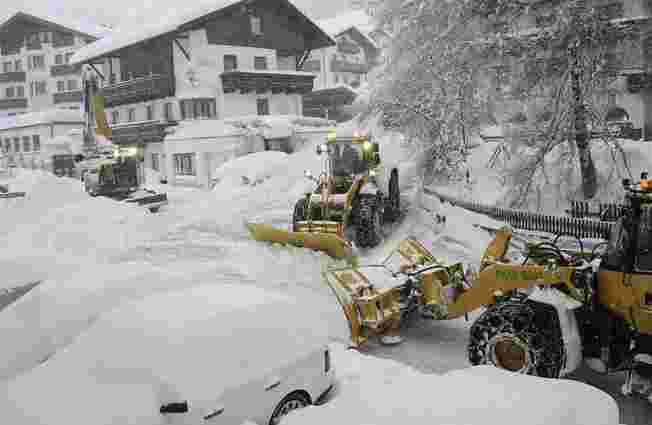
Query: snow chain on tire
x=393 y=208
x=523 y=325
x=369 y=225
x=299 y=213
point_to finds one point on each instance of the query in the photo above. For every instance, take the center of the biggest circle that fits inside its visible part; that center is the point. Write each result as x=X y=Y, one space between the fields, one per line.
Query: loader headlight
x=372 y=173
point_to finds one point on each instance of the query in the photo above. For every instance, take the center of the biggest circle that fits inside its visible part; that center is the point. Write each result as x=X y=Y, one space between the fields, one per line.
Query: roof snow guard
x=177 y=22
x=264 y=81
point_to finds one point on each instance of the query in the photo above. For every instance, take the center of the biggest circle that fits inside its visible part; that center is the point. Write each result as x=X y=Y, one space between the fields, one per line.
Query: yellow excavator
x=543 y=314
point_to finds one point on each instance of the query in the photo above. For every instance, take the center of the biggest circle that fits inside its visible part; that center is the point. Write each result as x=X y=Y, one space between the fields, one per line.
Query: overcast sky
x=118 y=11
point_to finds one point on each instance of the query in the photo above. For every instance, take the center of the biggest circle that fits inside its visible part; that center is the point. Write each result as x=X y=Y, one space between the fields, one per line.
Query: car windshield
x=346 y=159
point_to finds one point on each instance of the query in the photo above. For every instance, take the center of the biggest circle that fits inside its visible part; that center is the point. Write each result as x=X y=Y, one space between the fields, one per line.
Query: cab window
x=644 y=245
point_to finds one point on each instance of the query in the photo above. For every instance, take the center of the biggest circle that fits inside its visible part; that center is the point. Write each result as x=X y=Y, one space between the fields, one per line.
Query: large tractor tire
x=299 y=213
x=369 y=222
x=393 y=204
x=519 y=336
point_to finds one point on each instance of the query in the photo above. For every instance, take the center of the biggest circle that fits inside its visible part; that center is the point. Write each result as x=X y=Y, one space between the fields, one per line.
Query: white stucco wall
x=209 y=153
x=46 y=133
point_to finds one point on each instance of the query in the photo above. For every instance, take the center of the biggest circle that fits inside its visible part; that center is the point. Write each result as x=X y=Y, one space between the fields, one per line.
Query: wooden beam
x=302 y=59
x=185 y=53
x=98 y=72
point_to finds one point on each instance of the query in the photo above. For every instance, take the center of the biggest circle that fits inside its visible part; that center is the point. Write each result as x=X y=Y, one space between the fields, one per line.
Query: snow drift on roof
x=42 y=117
x=85 y=24
x=340 y=23
x=202 y=129
x=127 y=36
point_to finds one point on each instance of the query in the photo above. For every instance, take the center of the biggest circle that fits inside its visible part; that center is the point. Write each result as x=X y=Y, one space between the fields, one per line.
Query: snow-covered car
x=210 y=354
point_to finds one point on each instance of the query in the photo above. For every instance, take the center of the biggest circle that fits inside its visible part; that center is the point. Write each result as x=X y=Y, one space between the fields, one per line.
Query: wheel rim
x=510 y=353
x=287 y=407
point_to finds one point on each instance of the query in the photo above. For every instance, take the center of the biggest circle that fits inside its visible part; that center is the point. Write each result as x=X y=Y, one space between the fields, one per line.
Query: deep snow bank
x=179 y=345
x=377 y=391
x=44 y=191
x=551 y=190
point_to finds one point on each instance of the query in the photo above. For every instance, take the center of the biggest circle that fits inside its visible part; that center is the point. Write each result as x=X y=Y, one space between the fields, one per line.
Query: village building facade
x=244 y=58
x=25 y=139
x=343 y=68
x=35 y=69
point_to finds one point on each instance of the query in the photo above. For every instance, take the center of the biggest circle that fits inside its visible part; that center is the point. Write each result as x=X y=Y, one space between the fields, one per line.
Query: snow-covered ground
x=95 y=256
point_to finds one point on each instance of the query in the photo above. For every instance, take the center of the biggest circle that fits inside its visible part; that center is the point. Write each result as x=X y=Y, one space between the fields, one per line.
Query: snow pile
x=44 y=191
x=202 y=129
x=193 y=354
x=376 y=391
x=276 y=126
x=93 y=227
x=250 y=169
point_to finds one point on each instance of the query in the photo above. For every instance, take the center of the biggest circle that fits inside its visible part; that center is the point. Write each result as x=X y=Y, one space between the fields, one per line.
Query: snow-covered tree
x=531 y=66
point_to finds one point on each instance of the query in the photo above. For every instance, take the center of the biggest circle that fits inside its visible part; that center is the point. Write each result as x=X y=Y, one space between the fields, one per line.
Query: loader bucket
x=332 y=244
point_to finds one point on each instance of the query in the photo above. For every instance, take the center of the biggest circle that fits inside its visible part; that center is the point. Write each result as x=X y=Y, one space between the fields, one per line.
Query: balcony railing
x=64 y=69
x=67 y=96
x=261 y=82
x=344 y=66
x=139 y=89
x=13 y=103
x=12 y=77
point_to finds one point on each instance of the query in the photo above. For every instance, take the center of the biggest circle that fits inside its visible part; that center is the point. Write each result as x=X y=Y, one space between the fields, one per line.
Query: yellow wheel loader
x=354 y=196
x=543 y=315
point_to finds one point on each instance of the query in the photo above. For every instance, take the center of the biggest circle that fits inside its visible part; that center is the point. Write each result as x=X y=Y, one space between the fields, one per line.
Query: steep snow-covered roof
x=163 y=24
x=357 y=20
x=83 y=25
x=42 y=117
x=342 y=22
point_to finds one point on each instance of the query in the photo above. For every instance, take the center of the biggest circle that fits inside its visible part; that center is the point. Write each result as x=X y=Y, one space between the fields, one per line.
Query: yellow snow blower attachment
x=376 y=298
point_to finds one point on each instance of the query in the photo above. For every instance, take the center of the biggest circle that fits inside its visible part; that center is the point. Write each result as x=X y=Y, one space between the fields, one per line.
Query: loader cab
x=350 y=156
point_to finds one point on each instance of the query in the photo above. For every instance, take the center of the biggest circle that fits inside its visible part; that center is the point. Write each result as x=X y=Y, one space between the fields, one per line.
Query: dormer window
x=256 y=25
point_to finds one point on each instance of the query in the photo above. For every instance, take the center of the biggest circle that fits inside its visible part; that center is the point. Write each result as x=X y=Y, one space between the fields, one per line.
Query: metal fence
x=601 y=211
x=525 y=220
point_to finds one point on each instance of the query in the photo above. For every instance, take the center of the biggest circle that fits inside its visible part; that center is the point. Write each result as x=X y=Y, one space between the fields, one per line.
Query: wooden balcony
x=13 y=103
x=65 y=69
x=67 y=97
x=137 y=90
x=12 y=77
x=312 y=66
x=261 y=82
x=140 y=133
x=344 y=66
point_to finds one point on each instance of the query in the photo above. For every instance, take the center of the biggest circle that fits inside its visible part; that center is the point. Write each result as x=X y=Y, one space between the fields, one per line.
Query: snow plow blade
x=10 y=195
x=329 y=243
x=150 y=200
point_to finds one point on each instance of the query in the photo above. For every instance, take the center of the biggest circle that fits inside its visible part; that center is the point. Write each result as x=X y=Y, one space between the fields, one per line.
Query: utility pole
x=587 y=167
